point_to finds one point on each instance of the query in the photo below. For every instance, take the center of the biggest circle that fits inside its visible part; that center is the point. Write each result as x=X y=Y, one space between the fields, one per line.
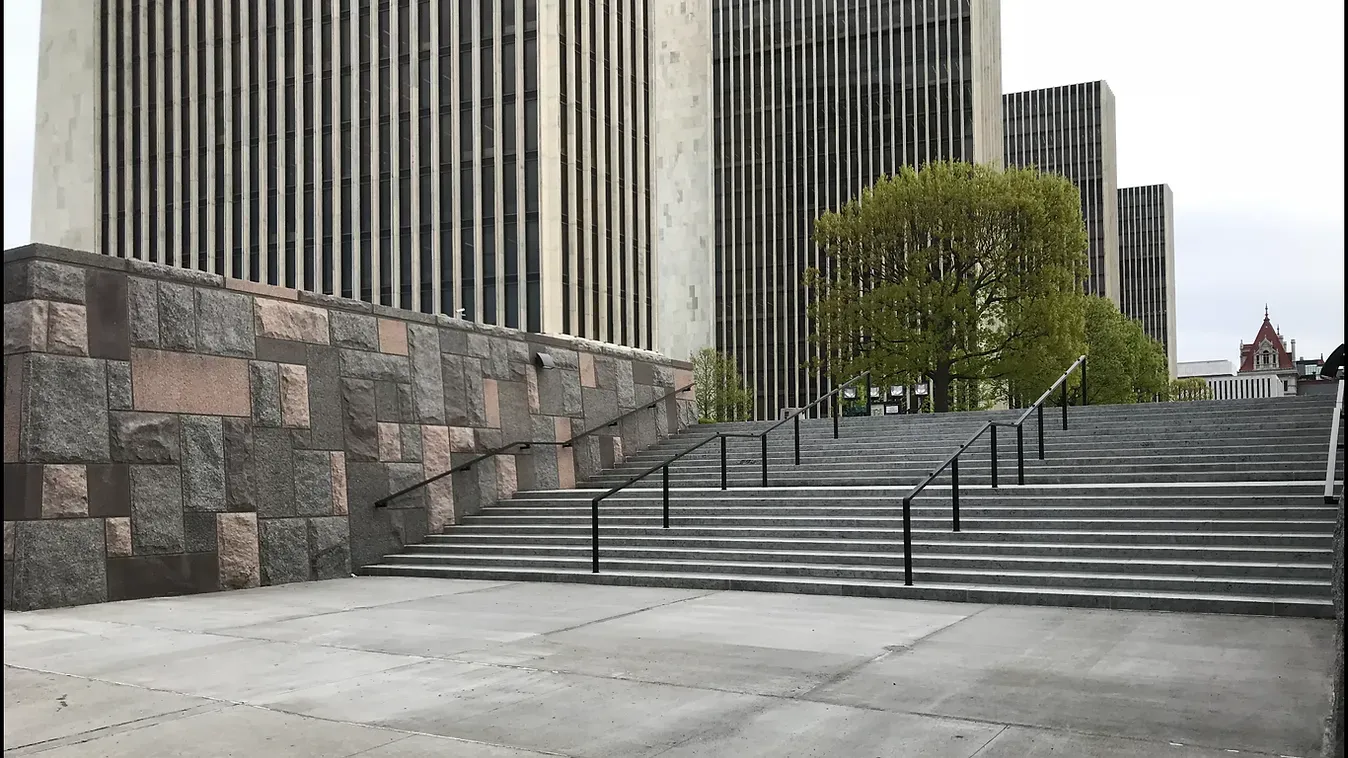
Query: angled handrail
x=722 y=437
x=794 y=417
x=1332 y=463
x=594 y=502
x=525 y=445
x=953 y=460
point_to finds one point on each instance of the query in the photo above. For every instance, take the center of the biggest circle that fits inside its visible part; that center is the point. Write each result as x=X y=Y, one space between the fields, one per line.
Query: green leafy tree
x=1190 y=388
x=966 y=275
x=719 y=388
x=1124 y=365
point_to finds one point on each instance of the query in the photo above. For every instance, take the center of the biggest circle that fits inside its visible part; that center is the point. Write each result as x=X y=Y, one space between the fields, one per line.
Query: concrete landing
x=397 y=667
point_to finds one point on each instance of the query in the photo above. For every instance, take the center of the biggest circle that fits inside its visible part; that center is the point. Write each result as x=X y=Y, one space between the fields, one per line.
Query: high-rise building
x=503 y=159
x=1147 y=262
x=814 y=101
x=1069 y=131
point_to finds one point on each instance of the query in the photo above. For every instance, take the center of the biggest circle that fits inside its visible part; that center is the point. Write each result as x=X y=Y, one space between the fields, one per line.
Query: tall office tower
x=499 y=158
x=1069 y=131
x=1147 y=262
x=815 y=100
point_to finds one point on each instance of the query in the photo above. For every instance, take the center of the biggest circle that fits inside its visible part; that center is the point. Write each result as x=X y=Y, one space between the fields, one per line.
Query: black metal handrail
x=1332 y=463
x=525 y=445
x=722 y=437
x=953 y=460
x=594 y=503
x=794 y=417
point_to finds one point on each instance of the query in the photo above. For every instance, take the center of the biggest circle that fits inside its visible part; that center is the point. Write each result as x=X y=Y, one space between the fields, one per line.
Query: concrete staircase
x=1208 y=506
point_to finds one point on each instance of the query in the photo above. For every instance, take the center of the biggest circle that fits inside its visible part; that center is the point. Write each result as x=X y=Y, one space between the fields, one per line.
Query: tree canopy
x=964 y=274
x=1125 y=365
x=719 y=388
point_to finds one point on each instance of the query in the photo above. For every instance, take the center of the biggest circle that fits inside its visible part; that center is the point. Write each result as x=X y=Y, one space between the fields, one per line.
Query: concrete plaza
x=394 y=668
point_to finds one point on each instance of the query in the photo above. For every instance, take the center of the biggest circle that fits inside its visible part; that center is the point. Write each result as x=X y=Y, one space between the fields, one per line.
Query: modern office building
x=1069 y=131
x=814 y=100
x=1147 y=262
x=537 y=164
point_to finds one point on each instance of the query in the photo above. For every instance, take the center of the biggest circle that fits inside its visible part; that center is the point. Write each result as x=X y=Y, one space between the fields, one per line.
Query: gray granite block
x=65 y=401
x=359 y=364
x=283 y=548
x=142 y=301
x=177 y=317
x=353 y=330
x=139 y=437
x=313 y=483
x=428 y=397
x=329 y=548
x=119 y=385
x=225 y=323
x=203 y=452
x=358 y=420
x=57 y=562
x=156 y=510
x=240 y=468
x=264 y=383
x=274 y=459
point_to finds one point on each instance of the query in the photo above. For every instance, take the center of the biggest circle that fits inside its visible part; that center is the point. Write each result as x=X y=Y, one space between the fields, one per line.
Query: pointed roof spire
x=1266 y=311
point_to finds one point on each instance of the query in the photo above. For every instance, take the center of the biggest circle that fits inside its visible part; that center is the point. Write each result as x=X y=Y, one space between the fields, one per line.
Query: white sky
x=1237 y=105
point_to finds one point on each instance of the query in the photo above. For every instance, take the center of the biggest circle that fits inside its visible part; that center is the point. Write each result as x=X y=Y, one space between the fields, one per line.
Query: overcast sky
x=1237 y=108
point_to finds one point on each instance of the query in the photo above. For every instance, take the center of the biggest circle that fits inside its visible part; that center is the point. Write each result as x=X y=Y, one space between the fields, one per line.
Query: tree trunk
x=940 y=389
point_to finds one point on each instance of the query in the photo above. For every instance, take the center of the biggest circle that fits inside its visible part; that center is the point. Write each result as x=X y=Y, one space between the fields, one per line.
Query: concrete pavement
x=395 y=667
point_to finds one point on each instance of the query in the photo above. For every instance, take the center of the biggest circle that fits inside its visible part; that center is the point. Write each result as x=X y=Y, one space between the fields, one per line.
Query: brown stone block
x=435 y=448
x=491 y=398
x=26 y=326
x=23 y=491
x=439 y=503
x=339 y=506
x=203 y=385
x=294 y=396
x=390 y=442
x=258 y=288
x=392 y=337
x=462 y=439
x=67 y=329
x=562 y=426
x=118 y=536
x=507 y=477
x=587 y=378
x=282 y=320
x=566 y=468
x=236 y=535
x=65 y=491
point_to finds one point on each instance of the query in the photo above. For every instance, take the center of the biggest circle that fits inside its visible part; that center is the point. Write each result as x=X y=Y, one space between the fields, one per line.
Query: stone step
x=1115 y=552
x=893 y=520
x=931 y=509
x=1316 y=607
x=451 y=552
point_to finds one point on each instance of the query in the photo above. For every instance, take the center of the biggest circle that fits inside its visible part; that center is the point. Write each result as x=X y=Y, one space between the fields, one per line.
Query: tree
x=1125 y=365
x=1190 y=388
x=965 y=275
x=719 y=388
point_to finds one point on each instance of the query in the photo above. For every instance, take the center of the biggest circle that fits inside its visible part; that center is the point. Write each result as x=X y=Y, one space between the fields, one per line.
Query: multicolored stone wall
x=168 y=431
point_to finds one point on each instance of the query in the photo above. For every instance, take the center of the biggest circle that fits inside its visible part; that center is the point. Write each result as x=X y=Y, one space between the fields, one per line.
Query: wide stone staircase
x=1203 y=506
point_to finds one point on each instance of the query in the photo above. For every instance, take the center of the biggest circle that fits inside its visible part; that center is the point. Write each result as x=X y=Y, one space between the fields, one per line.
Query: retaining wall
x=167 y=431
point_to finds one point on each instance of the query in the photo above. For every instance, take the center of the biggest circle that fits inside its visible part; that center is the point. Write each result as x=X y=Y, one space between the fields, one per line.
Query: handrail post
x=1064 y=405
x=1020 y=454
x=1041 y=431
x=1085 y=400
x=994 y=456
x=955 y=493
x=797 y=431
x=763 y=449
x=837 y=408
x=723 y=483
x=907 y=542
x=665 y=471
x=594 y=536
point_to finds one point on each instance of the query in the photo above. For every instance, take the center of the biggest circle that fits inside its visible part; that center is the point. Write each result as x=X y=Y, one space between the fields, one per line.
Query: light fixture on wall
x=849 y=393
x=543 y=360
